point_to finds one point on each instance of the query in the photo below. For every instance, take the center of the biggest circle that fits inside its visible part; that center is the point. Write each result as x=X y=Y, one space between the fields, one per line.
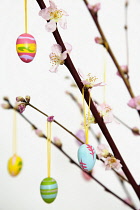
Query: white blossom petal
x=64 y=55
x=44 y=14
x=57 y=49
x=50 y=26
x=54 y=69
x=52 y=5
x=63 y=23
x=68 y=47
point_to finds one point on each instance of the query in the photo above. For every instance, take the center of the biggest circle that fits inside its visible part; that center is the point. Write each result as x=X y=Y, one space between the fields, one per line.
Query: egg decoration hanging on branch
x=14 y=165
x=86 y=157
x=26 y=44
x=48 y=189
x=26 y=47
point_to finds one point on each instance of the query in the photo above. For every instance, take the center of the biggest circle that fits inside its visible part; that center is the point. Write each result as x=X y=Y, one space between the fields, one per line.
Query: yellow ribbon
x=104 y=75
x=49 y=136
x=25 y=16
x=14 y=144
x=86 y=120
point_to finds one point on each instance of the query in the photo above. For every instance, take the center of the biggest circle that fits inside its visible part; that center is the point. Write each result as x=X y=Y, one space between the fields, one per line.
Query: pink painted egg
x=26 y=47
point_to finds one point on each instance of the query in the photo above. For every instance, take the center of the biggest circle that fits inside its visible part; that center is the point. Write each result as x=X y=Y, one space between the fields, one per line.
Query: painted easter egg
x=26 y=47
x=86 y=157
x=48 y=189
x=14 y=165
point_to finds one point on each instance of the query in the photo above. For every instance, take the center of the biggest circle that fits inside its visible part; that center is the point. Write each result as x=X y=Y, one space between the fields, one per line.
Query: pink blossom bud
x=95 y=8
x=6 y=106
x=27 y=98
x=20 y=99
x=57 y=142
x=39 y=133
x=50 y=118
x=21 y=107
x=99 y=40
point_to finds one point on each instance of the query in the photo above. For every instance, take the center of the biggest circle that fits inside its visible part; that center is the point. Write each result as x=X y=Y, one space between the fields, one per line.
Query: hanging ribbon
x=49 y=137
x=86 y=119
x=14 y=143
x=25 y=16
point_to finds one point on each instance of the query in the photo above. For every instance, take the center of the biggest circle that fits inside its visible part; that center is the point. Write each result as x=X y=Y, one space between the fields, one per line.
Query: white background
x=47 y=91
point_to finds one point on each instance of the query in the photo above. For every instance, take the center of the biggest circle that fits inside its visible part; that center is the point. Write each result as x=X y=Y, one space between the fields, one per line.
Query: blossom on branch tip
x=20 y=99
x=134 y=103
x=95 y=8
x=50 y=119
x=99 y=40
x=39 y=133
x=21 y=107
x=6 y=106
x=27 y=98
x=89 y=81
x=57 y=57
x=102 y=151
x=57 y=142
x=112 y=162
x=124 y=69
x=53 y=15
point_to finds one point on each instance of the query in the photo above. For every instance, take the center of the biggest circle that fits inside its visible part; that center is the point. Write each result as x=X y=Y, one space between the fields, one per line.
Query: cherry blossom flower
x=57 y=57
x=112 y=162
x=95 y=8
x=105 y=112
x=89 y=81
x=134 y=103
x=53 y=15
x=102 y=151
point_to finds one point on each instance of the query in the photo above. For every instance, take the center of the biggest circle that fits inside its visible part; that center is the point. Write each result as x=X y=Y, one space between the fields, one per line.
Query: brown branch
x=73 y=162
x=125 y=80
x=94 y=111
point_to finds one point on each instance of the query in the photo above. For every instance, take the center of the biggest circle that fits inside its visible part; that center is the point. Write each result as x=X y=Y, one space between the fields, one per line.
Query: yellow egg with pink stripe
x=14 y=165
x=26 y=47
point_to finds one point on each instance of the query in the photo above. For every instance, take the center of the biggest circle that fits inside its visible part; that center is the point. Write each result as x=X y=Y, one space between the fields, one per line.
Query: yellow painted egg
x=14 y=165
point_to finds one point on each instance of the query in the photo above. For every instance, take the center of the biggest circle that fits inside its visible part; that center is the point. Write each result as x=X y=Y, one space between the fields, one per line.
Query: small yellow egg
x=14 y=165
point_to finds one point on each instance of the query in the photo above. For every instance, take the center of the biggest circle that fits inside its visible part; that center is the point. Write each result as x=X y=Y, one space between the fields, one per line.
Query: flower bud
x=50 y=118
x=57 y=142
x=27 y=98
x=20 y=99
x=6 y=106
x=39 y=133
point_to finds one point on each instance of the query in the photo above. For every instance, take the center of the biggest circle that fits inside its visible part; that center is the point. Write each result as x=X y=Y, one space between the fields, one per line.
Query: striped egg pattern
x=26 y=47
x=86 y=157
x=48 y=189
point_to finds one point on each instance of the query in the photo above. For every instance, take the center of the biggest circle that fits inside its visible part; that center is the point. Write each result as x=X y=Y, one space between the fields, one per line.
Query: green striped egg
x=48 y=189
